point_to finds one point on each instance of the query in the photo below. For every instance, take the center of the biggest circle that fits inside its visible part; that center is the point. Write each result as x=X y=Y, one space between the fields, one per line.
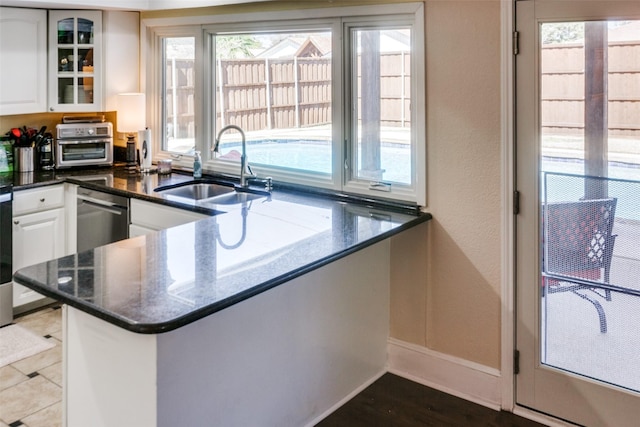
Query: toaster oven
x=84 y=144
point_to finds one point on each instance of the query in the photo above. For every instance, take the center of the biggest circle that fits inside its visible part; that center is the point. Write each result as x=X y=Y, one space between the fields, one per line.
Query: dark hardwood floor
x=395 y=401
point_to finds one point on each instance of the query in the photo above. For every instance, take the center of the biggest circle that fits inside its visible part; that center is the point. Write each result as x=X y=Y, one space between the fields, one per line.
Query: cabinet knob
x=16 y=222
x=42 y=200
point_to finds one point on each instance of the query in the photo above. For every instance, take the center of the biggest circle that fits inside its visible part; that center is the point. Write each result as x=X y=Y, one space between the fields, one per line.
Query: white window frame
x=302 y=177
x=339 y=20
x=418 y=129
x=154 y=93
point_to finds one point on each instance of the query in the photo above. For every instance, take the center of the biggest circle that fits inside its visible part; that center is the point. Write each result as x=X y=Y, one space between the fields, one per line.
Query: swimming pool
x=623 y=183
x=315 y=156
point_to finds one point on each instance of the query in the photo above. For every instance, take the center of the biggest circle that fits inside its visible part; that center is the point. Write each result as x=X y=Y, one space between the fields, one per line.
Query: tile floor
x=31 y=388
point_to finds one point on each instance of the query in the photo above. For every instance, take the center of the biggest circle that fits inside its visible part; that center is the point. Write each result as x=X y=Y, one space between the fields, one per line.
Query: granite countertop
x=164 y=280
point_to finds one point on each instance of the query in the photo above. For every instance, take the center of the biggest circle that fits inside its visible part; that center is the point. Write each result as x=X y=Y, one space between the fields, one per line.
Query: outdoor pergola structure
x=370 y=105
x=595 y=108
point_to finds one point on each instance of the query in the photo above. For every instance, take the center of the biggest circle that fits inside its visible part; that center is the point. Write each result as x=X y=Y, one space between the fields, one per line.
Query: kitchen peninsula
x=269 y=312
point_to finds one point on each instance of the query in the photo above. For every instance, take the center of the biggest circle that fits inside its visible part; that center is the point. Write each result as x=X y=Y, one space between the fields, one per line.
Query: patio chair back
x=578 y=240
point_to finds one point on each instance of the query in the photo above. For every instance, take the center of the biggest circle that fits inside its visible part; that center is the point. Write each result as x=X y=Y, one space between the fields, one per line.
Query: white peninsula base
x=286 y=357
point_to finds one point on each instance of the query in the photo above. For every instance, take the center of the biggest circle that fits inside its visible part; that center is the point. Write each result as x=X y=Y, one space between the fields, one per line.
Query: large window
x=332 y=102
x=178 y=88
x=277 y=87
x=381 y=105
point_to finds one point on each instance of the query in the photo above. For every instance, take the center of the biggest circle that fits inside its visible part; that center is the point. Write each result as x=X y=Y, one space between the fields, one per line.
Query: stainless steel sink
x=196 y=191
x=236 y=197
x=211 y=193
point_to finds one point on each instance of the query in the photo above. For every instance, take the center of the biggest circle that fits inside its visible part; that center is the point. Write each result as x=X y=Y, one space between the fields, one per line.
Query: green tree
x=236 y=46
x=562 y=32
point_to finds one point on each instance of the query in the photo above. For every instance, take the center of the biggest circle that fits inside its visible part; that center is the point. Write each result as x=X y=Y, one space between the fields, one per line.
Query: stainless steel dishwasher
x=103 y=218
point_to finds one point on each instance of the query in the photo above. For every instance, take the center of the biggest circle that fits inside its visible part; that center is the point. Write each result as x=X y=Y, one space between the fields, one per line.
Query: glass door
x=578 y=174
x=74 y=60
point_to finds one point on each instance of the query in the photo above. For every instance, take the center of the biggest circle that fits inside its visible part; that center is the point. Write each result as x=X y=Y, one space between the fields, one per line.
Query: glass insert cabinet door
x=75 y=60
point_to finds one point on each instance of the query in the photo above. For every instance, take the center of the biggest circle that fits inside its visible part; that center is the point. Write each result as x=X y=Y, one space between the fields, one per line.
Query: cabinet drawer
x=38 y=199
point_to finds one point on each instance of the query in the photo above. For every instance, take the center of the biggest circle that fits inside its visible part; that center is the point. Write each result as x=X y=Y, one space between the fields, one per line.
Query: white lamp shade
x=131 y=112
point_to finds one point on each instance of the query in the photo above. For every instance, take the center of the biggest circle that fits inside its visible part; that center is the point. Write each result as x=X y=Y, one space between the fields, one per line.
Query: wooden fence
x=562 y=110
x=258 y=94
x=180 y=75
x=274 y=93
x=292 y=93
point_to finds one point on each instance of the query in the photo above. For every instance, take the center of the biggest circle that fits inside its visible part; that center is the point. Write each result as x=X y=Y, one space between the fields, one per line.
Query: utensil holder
x=24 y=159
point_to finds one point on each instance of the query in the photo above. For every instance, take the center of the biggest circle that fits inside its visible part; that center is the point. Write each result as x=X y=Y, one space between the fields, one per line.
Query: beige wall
x=451 y=303
x=50 y=120
x=262 y=6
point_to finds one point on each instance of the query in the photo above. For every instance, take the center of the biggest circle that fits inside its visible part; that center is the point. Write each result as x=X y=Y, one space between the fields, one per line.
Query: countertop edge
x=177 y=322
x=157 y=328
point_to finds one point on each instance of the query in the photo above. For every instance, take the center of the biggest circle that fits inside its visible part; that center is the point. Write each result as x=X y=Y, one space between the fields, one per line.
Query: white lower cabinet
x=147 y=217
x=39 y=234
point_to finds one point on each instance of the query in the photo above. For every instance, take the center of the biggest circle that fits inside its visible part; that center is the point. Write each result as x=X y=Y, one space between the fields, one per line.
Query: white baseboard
x=468 y=380
x=347 y=398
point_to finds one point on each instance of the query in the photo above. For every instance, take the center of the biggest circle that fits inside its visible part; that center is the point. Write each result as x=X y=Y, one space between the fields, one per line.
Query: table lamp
x=131 y=119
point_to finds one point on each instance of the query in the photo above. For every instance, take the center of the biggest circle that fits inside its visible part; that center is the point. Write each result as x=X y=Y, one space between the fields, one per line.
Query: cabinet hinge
x=516 y=362
x=516 y=44
x=516 y=202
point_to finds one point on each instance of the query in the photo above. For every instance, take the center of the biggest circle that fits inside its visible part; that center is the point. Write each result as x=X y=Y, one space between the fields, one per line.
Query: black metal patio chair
x=577 y=248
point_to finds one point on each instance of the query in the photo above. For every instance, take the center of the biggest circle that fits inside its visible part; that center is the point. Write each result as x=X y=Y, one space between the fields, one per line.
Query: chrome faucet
x=245 y=169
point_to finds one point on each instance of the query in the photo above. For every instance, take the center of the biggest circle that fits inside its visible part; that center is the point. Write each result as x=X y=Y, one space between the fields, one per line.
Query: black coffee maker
x=46 y=153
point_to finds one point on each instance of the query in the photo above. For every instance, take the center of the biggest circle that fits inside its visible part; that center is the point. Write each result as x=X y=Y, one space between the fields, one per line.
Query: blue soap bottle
x=197 y=165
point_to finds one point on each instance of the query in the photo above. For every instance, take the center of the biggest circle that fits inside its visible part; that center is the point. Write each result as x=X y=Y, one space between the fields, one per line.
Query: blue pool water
x=623 y=183
x=315 y=156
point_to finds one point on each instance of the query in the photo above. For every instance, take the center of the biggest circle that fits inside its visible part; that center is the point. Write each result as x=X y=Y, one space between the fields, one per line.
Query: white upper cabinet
x=92 y=56
x=23 y=48
x=75 y=61
x=121 y=43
